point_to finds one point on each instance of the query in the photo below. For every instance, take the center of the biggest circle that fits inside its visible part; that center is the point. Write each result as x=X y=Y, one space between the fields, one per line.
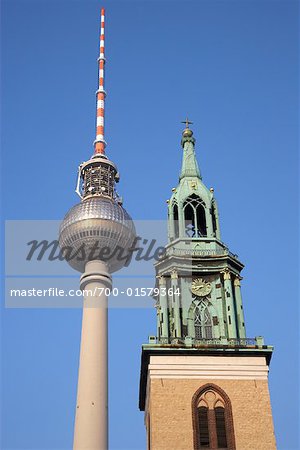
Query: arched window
x=202 y=322
x=175 y=218
x=201 y=220
x=189 y=221
x=212 y=419
x=194 y=217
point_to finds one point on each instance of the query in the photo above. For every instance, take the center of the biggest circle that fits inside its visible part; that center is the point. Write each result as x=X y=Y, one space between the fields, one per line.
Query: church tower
x=204 y=383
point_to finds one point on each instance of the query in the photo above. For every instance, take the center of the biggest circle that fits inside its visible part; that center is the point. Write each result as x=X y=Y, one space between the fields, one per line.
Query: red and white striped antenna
x=98 y=175
x=100 y=143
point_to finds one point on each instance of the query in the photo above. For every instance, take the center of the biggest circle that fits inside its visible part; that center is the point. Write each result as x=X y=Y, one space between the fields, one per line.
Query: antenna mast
x=97 y=176
x=100 y=143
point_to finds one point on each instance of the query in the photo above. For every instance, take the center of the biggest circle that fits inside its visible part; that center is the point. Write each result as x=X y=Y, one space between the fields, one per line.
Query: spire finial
x=100 y=143
x=187 y=123
x=187 y=132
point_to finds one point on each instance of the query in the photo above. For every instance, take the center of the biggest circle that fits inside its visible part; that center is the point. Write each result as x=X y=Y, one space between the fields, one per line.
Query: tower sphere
x=97 y=226
x=187 y=132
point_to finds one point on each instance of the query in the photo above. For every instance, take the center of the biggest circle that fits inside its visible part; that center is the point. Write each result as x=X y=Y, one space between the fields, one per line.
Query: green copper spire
x=189 y=162
x=192 y=208
x=208 y=307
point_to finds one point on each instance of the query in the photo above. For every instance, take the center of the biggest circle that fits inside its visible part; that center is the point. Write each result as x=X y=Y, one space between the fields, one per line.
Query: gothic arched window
x=202 y=322
x=212 y=419
x=194 y=217
x=175 y=218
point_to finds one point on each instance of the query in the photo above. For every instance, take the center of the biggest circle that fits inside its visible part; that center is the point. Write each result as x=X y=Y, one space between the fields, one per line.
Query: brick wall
x=171 y=413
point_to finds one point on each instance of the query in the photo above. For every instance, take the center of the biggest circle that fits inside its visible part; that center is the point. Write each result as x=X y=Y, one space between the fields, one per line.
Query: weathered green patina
x=200 y=298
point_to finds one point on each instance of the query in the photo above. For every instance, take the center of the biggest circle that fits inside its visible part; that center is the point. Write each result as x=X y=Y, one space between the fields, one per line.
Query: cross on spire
x=187 y=122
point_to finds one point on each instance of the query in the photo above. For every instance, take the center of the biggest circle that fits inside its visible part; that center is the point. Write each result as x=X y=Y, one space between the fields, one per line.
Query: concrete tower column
x=91 y=421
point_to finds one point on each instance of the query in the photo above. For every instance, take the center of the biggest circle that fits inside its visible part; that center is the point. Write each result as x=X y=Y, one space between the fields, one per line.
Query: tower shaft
x=91 y=421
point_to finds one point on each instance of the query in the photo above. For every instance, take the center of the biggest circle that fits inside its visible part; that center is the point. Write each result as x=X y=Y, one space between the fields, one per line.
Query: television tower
x=97 y=235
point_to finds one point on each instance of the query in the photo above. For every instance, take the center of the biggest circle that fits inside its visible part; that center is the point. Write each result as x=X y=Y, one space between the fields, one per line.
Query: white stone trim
x=208 y=367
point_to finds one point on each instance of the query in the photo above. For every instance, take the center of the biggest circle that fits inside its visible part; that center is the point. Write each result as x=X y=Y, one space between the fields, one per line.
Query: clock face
x=200 y=287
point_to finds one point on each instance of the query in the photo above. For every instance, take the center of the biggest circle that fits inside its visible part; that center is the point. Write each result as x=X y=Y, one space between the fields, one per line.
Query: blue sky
x=232 y=66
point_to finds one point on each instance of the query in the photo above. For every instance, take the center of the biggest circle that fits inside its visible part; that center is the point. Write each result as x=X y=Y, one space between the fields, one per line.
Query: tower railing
x=200 y=252
x=190 y=341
